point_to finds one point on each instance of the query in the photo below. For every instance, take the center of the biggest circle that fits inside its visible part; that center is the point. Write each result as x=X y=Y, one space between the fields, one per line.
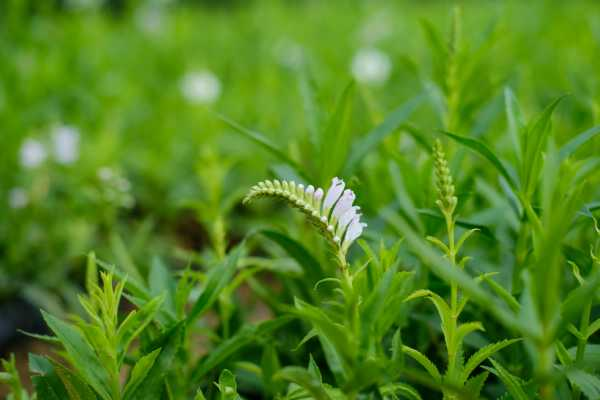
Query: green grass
x=477 y=276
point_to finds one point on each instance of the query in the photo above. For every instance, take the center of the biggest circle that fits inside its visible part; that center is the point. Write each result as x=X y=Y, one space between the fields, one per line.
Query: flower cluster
x=445 y=186
x=332 y=212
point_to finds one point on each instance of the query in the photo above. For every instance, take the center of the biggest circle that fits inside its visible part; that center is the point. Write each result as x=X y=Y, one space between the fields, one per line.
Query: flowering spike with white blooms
x=341 y=227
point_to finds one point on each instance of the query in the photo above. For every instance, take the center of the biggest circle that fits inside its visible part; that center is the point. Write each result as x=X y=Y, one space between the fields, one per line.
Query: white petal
x=346 y=218
x=344 y=204
x=333 y=194
x=354 y=231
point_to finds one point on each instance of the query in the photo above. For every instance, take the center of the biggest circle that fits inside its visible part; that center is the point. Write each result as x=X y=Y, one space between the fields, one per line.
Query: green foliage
x=477 y=277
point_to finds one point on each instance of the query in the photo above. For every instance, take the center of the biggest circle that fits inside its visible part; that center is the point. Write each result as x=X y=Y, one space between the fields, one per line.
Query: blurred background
x=109 y=115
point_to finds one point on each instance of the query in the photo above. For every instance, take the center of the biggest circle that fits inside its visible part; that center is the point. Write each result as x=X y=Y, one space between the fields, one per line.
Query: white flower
x=17 y=198
x=123 y=184
x=343 y=204
x=371 y=66
x=33 y=153
x=105 y=173
x=333 y=194
x=289 y=53
x=149 y=19
x=345 y=220
x=201 y=87
x=341 y=227
x=354 y=231
x=65 y=140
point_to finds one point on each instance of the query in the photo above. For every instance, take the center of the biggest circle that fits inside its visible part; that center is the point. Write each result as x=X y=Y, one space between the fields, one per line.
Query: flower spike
x=335 y=216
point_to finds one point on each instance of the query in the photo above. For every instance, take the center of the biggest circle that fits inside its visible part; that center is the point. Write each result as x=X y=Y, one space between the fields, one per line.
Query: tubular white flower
x=343 y=204
x=333 y=194
x=354 y=231
x=345 y=220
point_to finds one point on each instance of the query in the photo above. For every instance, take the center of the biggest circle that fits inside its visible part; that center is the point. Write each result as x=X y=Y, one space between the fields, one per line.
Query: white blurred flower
x=105 y=173
x=17 y=198
x=371 y=66
x=65 y=141
x=33 y=153
x=289 y=54
x=123 y=184
x=150 y=19
x=201 y=87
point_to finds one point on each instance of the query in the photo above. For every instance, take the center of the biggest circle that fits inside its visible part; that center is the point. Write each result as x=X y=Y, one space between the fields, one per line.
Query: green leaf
x=81 y=353
x=139 y=372
x=475 y=384
x=305 y=379
x=562 y=354
x=460 y=222
x=244 y=337
x=441 y=306
x=336 y=137
x=330 y=331
x=483 y=354
x=462 y=331
x=264 y=142
x=502 y=293
x=218 y=277
x=593 y=328
x=297 y=251
x=39 y=364
x=76 y=388
x=572 y=145
x=591 y=357
x=269 y=366
x=91 y=273
x=404 y=200
x=424 y=362
x=513 y=385
x=571 y=307
x=404 y=390
x=160 y=281
x=152 y=386
x=368 y=142
x=49 y=388
x=588 y=384
x=313 y=368
x=312 y=114
x=227 y=386
x=442 y=268
x=534 y=143
x=135 y=323
x=485 y=152
x=516 y=123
